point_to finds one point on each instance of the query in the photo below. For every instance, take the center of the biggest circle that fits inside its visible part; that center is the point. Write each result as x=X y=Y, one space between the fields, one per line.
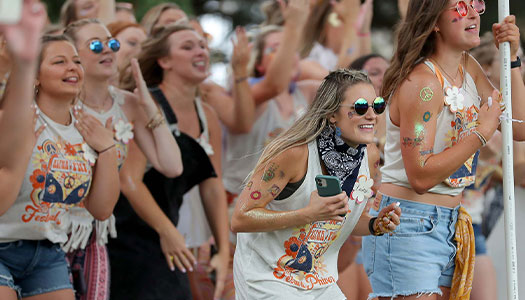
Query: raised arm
x=23 y=43
x=156 y=142
x=236 y=112
x=104 y=191
x=251 y=214
x=279 y=73
x=348 y=11
x=418 y=122
x=139 y=197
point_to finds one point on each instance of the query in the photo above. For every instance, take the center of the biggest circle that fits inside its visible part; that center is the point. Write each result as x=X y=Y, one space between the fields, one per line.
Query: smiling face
x=356 y=129
x=130 y=41
x=60 y=72
x=97 y=65
x=188 y=56
x=459 y=32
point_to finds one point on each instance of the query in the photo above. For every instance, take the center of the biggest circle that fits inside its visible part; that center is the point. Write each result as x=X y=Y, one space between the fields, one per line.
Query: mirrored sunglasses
x=97 y=46
x=462 y=7
x=361 y=106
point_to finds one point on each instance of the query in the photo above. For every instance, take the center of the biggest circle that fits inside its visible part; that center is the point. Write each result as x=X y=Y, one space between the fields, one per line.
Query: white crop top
x=451 y=128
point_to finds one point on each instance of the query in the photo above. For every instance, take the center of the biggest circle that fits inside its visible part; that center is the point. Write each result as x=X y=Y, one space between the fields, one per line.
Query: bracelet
x=100 y=152
x=241 y=79
x=482 y=139
x=155 y=122
x=363 y=34
x=516 y=63
x=371 y=227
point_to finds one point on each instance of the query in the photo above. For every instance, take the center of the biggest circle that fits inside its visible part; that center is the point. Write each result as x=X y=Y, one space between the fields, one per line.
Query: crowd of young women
x=119 y=158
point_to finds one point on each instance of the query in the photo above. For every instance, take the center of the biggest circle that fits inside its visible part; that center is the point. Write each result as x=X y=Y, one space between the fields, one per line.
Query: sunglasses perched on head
x=97 y=46
x=462 y=7
x=361 y=106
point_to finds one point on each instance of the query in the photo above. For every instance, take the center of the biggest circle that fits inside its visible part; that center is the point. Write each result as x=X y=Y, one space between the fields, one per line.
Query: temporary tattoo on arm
x=269 y=174
x=409 y=142
x=255 y=195
x=274 y=190
x=426 y=94
x=249 y=185
x=426 y=116
x=281 y=174
x=426 y=152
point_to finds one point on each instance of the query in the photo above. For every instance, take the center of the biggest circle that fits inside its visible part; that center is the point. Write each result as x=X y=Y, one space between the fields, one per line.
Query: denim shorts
x=33 y=267
x=481 y=245
x=418 y=257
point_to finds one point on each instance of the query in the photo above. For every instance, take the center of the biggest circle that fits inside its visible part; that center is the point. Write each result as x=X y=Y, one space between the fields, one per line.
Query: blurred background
x=219 y=18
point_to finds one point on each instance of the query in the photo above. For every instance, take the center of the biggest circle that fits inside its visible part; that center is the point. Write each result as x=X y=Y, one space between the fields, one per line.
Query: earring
x=35 y=88
x=338 y=131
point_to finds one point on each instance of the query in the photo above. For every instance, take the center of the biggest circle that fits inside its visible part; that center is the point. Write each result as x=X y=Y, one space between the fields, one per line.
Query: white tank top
x=242 y=151
x=451 y=128
x=296 y=262
x=58 y=178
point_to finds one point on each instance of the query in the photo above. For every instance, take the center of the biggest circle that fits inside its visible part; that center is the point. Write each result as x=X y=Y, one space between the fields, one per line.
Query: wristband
x=241 y=79
x=482 y=139
x=371 y=227
x=102 y=151
x=516 y=63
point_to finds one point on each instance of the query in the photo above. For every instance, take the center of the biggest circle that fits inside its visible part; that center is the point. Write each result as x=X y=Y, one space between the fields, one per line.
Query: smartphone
x=10 y=11
x=328 y=186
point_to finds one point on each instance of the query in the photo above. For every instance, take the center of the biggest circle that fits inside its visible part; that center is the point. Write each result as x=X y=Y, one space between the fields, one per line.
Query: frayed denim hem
x=10 y=283
x=402 y=294
x=40 y=291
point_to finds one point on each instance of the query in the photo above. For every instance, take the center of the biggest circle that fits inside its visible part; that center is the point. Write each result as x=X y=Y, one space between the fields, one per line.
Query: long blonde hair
x=327 y=101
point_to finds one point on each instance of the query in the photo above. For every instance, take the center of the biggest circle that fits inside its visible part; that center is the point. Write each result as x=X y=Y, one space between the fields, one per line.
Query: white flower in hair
x=89 y=154
x=123 y=131
x=362 y=189
x=454 y=99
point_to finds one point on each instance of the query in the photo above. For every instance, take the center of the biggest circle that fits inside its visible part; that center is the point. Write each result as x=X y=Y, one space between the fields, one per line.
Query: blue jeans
x=33 y=267
x=418 y=257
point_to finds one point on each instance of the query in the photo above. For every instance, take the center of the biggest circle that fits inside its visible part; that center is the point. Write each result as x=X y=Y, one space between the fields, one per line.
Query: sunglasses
x=361 y=106
x=462 y=7
x=97 y=45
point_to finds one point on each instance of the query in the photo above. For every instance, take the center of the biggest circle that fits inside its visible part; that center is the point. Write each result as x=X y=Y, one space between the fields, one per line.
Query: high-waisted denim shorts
x=418 y=257
x=33 y=267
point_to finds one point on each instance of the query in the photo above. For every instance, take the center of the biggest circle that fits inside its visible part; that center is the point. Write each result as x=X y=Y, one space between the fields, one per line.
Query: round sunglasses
x=97 y=45
x=462 y=7
x=361 y=106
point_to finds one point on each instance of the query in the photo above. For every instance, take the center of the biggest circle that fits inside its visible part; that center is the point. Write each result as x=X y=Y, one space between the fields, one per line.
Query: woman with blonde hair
x=442 y=109
x=288 y=237
x=74 y=10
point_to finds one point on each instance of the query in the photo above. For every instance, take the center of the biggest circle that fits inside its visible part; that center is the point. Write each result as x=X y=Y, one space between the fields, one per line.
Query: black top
x=137 y=245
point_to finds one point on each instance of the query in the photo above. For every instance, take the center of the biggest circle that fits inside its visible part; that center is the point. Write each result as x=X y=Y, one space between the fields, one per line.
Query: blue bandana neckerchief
x=340 y=159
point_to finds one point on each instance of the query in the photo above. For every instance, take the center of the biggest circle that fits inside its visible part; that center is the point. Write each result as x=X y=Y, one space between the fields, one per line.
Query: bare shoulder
x=422 y=86
x=293 y=162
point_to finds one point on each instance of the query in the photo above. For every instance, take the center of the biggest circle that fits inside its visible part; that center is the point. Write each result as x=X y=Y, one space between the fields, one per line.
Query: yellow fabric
x=465 y=256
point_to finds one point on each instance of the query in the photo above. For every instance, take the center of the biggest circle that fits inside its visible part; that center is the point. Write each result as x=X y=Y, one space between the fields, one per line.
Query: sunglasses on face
x=462 y=7
x=361 y=106
x=97 y=45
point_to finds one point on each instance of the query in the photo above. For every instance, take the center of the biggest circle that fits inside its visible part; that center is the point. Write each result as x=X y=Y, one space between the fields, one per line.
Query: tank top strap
x=436 y=71
x=204 y=138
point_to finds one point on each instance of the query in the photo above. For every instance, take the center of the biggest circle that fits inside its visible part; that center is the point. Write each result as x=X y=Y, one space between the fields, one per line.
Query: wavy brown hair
x=416 y=40
x=154 y=48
